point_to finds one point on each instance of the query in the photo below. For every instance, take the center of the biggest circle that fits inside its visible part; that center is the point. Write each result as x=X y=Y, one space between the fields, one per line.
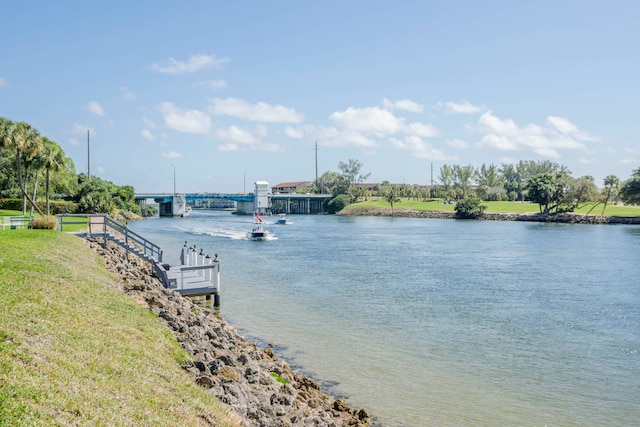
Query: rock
x=223 y=362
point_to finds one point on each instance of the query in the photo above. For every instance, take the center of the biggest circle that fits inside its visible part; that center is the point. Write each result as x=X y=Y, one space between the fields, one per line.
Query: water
x=439 y=322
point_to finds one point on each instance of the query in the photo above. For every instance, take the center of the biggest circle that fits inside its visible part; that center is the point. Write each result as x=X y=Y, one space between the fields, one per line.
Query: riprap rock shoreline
x=261 y=389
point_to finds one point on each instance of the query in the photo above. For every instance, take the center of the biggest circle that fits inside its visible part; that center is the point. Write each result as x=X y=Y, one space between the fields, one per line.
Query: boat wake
x=219 y=232
x=262 y=239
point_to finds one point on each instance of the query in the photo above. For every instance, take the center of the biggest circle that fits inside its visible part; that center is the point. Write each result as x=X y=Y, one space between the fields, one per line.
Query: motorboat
x=282 y=219
x=258 y=232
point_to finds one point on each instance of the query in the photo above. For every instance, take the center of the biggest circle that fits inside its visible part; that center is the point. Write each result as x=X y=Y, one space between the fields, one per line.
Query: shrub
x=55 y=206
x=11 y=204
x=469 y=208
x=338 y=203
x=47 y=222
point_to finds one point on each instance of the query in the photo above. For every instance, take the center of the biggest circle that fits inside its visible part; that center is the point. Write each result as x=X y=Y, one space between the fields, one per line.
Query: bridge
x=261 y=201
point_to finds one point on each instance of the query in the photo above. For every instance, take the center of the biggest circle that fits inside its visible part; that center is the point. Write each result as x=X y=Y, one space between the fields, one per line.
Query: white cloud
x=191 y=121
x=499 y=142
x=73 y=141
x=585 y=161
x=332 y=137
x=211 y=84
x=566 y=127
x=193 y=64
x=236 y=138
x=95 y=108
x=420 y=129
x=146 y=134
x=457 y=143
x=260 y=112
x=3 y=82
x=294 y=133
x=547 y=141
x=402 y=104
x=237 y=135
x=126 y=94
x=419 y=148
x=101 y=170
x=464 y=107
x=628 y=161
x=172 y=155
x=373 y=120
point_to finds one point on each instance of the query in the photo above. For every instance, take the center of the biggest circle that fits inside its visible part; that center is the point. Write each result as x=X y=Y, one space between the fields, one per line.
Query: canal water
x=429 y=322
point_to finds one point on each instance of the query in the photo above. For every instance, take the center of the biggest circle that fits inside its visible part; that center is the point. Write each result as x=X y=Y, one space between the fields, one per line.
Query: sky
x=220 y=94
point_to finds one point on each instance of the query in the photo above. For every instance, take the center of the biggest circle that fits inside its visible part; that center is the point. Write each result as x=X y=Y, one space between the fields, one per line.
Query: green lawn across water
x=496 y=207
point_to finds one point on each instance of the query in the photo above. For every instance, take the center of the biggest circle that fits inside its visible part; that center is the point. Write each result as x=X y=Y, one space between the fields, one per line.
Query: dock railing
x=16 y=222
x=197 y=276
x=105 y=227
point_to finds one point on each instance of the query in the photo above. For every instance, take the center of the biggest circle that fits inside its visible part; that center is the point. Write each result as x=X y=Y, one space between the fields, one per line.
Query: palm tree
x=23 y=138
x=5 y=125
x=392 y=198
x=54 y=161
x=463 y=175
x=610 y=182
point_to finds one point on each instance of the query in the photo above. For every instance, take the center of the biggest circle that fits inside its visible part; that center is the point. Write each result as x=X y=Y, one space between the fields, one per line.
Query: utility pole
x=431 y=174
x=88 y=157
x=316 y=162
x=244 y=182
x=174 y=179
x=431 y=190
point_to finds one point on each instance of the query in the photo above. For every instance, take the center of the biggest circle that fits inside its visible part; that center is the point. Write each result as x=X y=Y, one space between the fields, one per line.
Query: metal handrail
x=108 y=225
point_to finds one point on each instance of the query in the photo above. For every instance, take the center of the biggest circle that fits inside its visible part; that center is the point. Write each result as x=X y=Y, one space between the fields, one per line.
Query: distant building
x=291 y=187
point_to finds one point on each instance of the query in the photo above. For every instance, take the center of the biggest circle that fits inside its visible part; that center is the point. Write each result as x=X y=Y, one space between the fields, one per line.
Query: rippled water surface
x=439 y=322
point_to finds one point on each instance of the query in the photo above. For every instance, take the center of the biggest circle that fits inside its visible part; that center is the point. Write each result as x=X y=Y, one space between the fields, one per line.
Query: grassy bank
x=76 y=351
x=495 y=207
x=82 y=222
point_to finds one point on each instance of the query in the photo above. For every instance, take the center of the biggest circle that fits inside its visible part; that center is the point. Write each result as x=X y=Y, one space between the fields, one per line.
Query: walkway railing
x=105 y=227
x=197 y=277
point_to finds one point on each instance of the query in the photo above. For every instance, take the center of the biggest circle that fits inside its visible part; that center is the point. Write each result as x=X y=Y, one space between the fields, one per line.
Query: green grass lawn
x=70 y=228
x=75 y=351
x=7 y=212
x=497 y=207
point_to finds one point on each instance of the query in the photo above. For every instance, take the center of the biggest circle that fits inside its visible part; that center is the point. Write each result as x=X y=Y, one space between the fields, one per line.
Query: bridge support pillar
x=244 y=208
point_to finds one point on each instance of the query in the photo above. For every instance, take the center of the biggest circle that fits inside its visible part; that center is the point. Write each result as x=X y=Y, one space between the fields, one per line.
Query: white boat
x=258 y=232
x=282 y=219
x=187 y=212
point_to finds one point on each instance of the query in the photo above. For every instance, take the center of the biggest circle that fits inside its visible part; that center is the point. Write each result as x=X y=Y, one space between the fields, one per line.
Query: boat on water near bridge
x=258 y=232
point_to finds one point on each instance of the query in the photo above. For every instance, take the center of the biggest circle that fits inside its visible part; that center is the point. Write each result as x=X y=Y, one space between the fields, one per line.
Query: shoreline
x=252 y=382
x=566 y=218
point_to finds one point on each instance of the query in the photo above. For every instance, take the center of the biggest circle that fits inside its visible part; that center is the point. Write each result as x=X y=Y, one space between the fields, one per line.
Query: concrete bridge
x=260 y=201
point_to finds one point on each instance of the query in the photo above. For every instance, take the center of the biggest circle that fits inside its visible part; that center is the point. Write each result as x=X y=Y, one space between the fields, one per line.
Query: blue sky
x=233 y=92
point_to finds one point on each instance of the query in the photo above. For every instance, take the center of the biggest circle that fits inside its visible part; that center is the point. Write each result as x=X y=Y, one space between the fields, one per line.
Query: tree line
x=548 y=184
x=33 y=167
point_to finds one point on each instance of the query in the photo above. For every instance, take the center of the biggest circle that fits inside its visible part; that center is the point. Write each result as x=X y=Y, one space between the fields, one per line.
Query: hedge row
x=55 y=206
